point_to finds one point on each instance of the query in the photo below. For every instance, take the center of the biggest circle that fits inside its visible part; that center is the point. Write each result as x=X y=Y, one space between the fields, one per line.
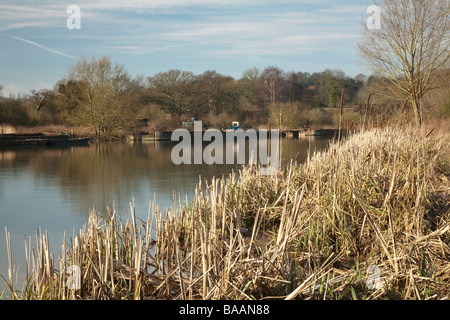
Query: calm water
x=53 y=189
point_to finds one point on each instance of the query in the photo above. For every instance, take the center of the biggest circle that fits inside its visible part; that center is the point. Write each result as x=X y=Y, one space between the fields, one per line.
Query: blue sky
x=37 y=49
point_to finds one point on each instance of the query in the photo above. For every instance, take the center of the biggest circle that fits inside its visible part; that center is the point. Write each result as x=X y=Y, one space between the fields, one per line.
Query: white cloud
x=135 y=50
x=278 y=33
x=164 y=4
x=19 y=25
x=21 y=16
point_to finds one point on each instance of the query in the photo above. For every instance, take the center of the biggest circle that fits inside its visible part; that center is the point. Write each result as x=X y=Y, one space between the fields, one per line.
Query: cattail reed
x=368 y=100
x=404 y=105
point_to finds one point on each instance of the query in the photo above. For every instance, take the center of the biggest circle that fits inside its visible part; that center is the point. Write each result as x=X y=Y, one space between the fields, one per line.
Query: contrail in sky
x=44 y=47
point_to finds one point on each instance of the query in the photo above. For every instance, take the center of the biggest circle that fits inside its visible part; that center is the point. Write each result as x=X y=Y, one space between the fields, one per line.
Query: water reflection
x=53 y=189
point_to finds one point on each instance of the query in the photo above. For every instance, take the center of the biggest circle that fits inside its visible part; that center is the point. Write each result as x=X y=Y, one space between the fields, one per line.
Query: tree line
x=104 y=96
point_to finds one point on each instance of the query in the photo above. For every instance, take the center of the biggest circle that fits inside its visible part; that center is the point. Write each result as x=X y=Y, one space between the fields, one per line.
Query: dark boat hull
x=41 y=139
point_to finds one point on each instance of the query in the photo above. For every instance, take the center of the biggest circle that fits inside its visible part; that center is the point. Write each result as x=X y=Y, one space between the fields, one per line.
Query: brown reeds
x=378 y=198
x=368 y=100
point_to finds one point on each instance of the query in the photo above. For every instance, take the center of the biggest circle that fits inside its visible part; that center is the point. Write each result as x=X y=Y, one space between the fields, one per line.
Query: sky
x=40 y=40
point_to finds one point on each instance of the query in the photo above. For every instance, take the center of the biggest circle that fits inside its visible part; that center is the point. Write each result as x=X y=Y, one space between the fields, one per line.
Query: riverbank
x=146 y=135
x=377 y=200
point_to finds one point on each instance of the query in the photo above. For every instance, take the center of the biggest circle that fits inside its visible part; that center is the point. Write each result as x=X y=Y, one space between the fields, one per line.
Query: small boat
x=236 y=125
x=41 y=139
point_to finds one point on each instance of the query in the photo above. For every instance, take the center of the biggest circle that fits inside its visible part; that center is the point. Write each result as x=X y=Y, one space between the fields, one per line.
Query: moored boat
x=41 y=139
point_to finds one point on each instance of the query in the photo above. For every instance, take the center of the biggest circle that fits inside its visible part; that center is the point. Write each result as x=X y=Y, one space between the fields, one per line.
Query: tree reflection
x=110 y=173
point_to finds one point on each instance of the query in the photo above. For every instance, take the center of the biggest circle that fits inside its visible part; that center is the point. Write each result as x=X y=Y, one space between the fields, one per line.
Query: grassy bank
x=377 y=200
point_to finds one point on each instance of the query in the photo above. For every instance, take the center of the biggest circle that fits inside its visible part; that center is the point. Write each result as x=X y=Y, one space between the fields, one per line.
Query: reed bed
x=7 y=129
x=312 y=231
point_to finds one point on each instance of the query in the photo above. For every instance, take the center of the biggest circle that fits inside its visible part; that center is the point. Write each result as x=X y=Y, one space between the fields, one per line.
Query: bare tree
x=100 y=94
x=251 y=74
x=409 y=50
x=271 y=82
x=40 y=98
x=175 y=89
